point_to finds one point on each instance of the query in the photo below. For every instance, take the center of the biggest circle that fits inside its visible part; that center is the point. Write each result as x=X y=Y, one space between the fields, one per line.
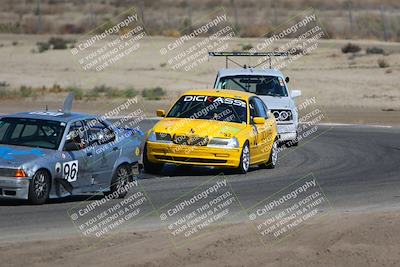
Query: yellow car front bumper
x=193 y=155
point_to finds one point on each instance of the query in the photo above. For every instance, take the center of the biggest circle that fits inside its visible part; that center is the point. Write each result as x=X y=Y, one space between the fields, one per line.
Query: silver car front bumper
x=15 y=188
x=287 y=131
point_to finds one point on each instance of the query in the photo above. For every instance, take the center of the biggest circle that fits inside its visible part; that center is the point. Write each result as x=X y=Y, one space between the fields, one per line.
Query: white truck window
x=256 y=84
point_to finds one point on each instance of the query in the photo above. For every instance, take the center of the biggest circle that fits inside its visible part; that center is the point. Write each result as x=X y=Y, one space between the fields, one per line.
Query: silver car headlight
x=160 y=137
x=17 y=173
x=224 y=142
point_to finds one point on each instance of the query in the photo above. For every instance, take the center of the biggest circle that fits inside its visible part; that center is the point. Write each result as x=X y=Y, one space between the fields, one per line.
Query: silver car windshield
x=256 y=84
x=31 y=132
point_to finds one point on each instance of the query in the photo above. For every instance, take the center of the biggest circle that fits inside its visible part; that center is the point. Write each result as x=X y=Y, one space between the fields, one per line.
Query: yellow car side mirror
x=259 y=120
x=160 y=113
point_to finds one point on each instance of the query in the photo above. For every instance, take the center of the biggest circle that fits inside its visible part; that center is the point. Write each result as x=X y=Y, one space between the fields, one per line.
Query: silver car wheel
x=274 y=156
x=246 y=158
x=122 y=178
x=40 y=185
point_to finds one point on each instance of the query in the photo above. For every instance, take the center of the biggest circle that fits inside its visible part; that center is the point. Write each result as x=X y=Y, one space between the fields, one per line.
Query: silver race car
x=47 y=154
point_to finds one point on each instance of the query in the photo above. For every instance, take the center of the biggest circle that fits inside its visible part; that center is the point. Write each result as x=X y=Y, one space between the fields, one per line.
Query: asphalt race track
x=358 y=167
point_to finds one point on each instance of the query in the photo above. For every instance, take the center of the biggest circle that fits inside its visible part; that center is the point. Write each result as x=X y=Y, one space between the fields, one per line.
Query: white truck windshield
x=256 y=84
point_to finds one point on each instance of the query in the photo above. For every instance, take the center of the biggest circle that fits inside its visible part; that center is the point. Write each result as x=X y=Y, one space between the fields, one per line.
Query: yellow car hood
x=210 y=128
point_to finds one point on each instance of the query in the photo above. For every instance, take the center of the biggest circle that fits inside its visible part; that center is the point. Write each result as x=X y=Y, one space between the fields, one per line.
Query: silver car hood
x=274 y=102
x=16 y=156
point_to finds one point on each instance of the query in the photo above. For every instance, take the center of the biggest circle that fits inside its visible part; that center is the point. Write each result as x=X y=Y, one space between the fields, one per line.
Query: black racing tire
x=273 y=157
x=244 y=164
x=148 y=166
x=39 y=187
x=184 y=167
x=121 y=179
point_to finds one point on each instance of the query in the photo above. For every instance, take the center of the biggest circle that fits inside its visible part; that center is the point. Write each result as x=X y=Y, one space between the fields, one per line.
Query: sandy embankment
x=336 y=239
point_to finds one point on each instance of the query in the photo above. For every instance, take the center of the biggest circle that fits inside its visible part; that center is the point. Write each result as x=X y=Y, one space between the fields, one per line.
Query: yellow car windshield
x=210 y=108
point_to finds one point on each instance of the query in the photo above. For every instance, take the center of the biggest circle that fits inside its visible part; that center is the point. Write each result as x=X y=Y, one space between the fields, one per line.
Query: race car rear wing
x=248 y=54
x=67 y=106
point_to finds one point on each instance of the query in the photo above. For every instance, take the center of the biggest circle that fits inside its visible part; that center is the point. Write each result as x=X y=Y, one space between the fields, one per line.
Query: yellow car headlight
x=224 y=142
x=160 y=137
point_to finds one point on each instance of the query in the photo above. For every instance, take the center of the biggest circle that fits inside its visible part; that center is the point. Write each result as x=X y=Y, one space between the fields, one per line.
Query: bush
x=351 y=48
x=58 y=43
x=153 y=93
x=246 y=47
x=382 y=63
x=56 y=88
x=375 y=50
x=90 y=94
x=101 y=89
x=54 y=43
x=130 y=92
x=4 y=84
x=42 y=46
x=25 y=91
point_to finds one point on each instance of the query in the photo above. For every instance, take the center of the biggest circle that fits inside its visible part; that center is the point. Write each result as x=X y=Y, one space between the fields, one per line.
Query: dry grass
x=170 y=18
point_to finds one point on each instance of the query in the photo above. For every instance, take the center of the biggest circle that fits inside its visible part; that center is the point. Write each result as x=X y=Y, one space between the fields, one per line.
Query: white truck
x=268 y=84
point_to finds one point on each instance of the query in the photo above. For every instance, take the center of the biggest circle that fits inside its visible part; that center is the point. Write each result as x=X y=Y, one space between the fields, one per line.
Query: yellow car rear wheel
x=273 y=157
x=244 y=164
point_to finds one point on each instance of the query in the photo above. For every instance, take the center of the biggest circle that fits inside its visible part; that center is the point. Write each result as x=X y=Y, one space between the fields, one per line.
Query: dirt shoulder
x=336 y=239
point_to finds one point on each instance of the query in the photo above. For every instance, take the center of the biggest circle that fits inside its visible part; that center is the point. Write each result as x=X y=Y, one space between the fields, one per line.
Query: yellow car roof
x=220 y=92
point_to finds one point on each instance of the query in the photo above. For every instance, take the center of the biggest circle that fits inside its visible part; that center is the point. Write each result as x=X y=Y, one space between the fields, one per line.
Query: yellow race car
x=222 y=128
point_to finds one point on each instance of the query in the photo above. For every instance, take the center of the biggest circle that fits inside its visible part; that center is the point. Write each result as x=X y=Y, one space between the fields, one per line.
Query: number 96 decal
x=70 y=171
